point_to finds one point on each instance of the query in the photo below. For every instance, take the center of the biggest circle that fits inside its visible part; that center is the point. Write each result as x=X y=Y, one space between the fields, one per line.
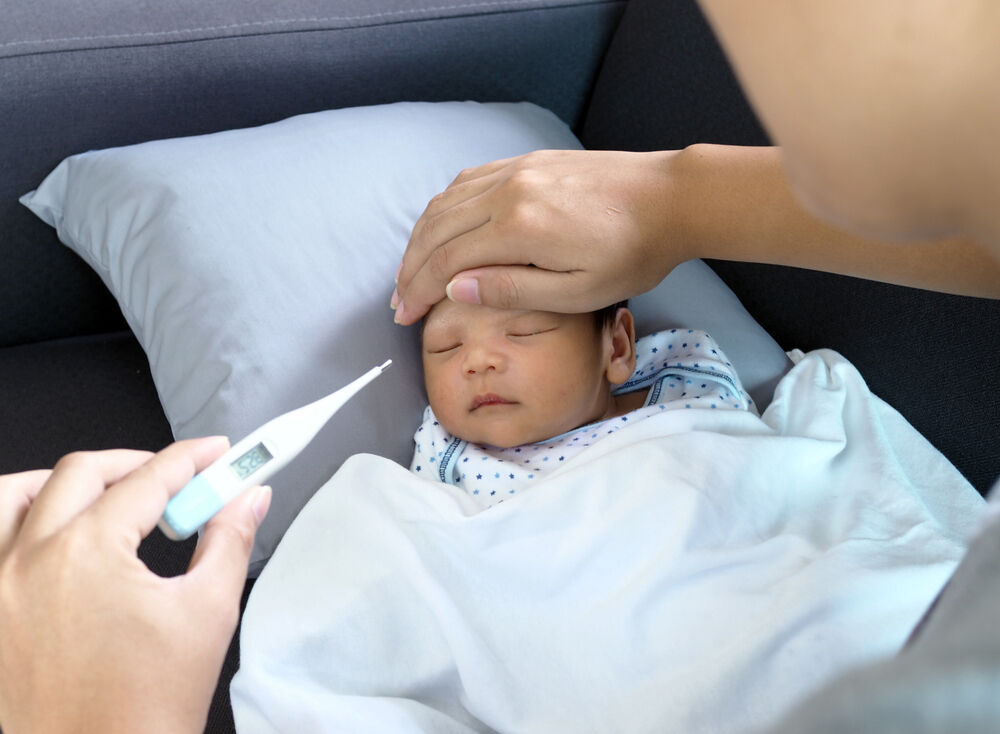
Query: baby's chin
x=509 y=443
x=508 y=437
x=504 y=440
x=500 y=436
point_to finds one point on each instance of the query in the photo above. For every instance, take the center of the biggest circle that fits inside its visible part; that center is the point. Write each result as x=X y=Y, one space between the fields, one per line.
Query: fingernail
x=261 y=503
x=463 y=290
x=400 y=310
x=395 y=278
x=221 y=441
x=394 y=301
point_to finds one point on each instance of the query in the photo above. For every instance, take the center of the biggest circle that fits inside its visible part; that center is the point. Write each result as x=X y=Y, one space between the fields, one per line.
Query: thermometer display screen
x=251 y=461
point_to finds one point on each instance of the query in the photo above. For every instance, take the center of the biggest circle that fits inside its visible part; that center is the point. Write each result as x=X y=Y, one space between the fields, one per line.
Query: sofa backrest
x=82 y=76
x=666 y=84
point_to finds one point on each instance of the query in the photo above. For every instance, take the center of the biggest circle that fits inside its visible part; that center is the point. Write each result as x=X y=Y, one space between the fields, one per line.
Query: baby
x=515 y=394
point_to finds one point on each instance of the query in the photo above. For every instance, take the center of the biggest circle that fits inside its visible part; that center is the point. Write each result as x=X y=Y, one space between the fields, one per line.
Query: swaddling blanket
x=696 y=572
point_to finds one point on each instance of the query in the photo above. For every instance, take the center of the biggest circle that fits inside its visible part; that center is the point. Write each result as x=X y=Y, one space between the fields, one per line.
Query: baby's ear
x=621 y=360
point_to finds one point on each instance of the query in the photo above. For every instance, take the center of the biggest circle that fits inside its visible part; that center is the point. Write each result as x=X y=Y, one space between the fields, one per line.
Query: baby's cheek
x=577 y=394
x=569 y=387
x=446 y=409
x=440 y=403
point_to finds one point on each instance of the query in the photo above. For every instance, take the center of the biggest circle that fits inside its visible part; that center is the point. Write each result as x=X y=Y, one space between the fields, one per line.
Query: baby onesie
x=682 y=368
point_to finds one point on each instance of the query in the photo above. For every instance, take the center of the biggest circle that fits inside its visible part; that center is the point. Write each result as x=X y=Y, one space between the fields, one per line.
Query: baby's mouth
x=489 y=399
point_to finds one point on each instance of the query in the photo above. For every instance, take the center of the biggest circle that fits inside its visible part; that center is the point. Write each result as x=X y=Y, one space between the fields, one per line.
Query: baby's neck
x=622 y=404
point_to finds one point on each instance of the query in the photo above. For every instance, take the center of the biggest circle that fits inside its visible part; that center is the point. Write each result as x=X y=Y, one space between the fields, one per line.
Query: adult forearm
x=735 y=203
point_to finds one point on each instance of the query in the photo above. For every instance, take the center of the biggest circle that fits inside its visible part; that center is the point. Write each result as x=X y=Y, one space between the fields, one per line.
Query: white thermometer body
x=253 y=460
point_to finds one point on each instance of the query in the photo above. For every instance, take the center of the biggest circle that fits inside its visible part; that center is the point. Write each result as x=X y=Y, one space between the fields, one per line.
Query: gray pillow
x=255 y=267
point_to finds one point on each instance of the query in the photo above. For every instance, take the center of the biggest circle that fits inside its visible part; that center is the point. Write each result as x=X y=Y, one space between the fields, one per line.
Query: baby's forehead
x=447 y=311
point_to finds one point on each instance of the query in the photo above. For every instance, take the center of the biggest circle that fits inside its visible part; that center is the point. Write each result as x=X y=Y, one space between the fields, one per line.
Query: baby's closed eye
x=441 y=348
x=530 y=325
x=529 y=332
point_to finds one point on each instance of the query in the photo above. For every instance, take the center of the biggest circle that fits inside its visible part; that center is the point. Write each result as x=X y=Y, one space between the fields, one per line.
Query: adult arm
x=576 y=230
x=739 y=206
x=92 y=639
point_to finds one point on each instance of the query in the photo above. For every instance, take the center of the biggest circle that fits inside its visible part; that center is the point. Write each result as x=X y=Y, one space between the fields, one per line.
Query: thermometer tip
x=385 y=365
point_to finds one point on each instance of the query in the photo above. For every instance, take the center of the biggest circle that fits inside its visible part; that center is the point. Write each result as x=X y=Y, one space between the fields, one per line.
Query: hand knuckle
x=521 y=218
x=523 y=180
x=439 y=264
x=75 y=461
x=465 y=174
x=508 y=292
x=76 y=540
x=428 y=229
x=533 y=157
x=437 y=201
x=157 y=475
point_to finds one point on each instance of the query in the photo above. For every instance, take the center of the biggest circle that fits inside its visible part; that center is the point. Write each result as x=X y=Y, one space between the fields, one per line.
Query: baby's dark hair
x=605 y=317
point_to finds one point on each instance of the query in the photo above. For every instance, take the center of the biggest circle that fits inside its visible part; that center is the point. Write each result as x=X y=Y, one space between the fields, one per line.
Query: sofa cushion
x=84 y=393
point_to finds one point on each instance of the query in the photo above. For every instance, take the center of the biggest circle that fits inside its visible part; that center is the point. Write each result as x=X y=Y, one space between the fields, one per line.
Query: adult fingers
x=440 y=224
x=218 y=567
x=17 y=492
x=484 y=169
x=478 y=248
x=458 y=209
x=526 y=287
x=76 y=482
x=135 y=504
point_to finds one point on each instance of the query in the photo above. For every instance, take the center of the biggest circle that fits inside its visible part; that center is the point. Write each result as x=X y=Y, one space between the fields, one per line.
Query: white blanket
x=699 y=571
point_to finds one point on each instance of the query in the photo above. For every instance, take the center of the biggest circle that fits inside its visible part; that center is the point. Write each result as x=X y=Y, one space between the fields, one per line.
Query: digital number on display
x=251 y=461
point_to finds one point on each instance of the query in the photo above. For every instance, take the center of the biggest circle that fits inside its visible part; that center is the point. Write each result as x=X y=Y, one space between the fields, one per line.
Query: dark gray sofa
x=625 y=74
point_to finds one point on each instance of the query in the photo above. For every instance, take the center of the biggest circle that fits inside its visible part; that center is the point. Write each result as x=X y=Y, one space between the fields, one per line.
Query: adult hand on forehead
x=92 y=639
x=567 y=231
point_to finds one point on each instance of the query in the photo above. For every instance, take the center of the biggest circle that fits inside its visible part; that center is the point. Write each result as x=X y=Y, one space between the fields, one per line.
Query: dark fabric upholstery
x=665 y=84
x=75 y=394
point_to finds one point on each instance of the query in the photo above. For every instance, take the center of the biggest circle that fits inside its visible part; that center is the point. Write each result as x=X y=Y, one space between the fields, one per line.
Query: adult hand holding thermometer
x=253 y=460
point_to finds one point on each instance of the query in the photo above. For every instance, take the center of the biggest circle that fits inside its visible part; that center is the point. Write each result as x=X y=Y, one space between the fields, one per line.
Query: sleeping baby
x=514 y=395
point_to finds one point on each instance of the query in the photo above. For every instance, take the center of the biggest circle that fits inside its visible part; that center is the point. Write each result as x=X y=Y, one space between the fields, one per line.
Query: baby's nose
x=481 y=358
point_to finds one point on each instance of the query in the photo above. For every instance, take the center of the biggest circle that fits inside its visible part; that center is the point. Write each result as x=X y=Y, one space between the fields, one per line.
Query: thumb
x=223 y=552
x=521 y=287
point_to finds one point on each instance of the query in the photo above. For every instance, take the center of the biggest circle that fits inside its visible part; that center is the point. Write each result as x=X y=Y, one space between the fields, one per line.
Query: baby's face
x=507 y=378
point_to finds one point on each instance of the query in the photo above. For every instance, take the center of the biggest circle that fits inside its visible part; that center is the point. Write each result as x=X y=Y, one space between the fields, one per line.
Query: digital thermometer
x=254 y=460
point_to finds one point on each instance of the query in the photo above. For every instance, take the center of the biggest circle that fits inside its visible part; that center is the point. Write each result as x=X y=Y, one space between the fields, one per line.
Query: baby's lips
x=489 y=399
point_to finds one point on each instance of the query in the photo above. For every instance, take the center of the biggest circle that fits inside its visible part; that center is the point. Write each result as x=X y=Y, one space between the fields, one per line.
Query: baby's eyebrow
x=430 y=320
x=435 y=330
x=533 y=317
